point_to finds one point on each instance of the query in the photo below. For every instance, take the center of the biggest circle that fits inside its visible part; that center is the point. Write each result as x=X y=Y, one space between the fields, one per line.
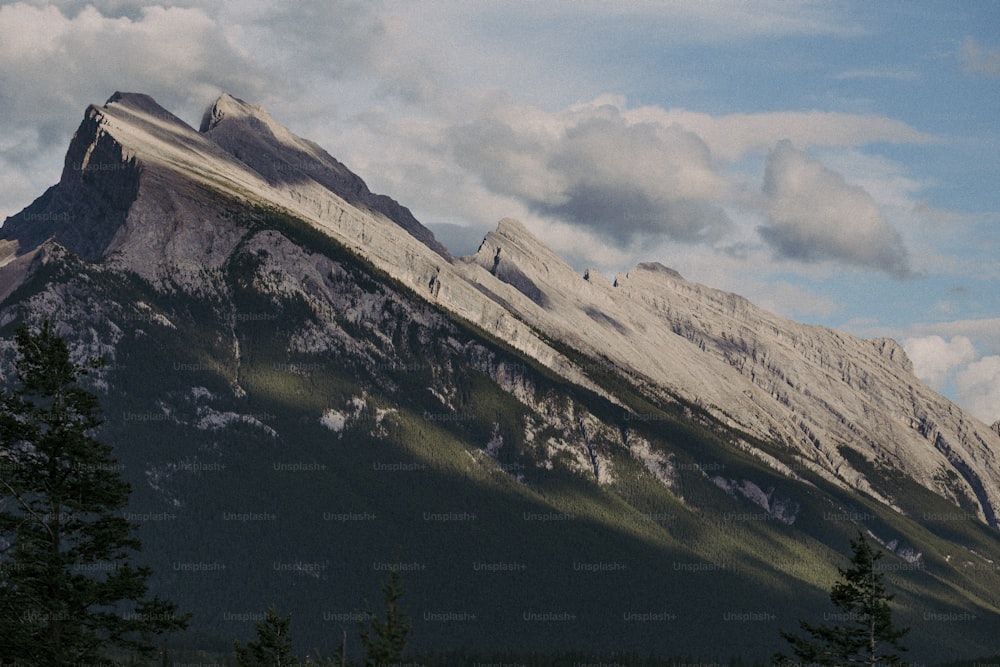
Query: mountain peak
x=656 y=267
x=512 y=228
x=648 y=273
x=140 y=104
x=225 y=105
x=519 y=244
x=228 y=107
x=139 y=101
x=251 y=135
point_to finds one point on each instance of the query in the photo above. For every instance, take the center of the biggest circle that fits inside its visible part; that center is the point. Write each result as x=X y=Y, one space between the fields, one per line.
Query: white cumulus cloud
x=935 y=359
x=978 y=388
x=816 y=215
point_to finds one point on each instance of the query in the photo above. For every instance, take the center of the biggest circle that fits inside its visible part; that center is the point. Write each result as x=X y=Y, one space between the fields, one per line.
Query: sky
x=837 y=163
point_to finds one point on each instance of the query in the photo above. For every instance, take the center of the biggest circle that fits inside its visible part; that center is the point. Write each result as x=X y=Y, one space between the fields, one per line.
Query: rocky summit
x=298 y=370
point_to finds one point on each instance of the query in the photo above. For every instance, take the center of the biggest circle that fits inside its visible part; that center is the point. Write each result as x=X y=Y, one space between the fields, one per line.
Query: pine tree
x=385 y=641
x=864 y=634
x=68 y=591
x=273 y=647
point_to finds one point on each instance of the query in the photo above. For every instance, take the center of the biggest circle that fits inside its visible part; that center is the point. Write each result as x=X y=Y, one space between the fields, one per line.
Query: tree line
x=70 y=595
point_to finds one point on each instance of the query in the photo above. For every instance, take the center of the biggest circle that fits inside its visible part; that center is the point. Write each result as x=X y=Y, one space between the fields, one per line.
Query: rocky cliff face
x=250 y=134
x=812 y=388
x=144 y=189
x=99 y=183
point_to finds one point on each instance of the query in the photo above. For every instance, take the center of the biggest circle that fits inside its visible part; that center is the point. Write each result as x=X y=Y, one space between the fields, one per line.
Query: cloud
x=179 y=55
x=700 y=22
x=54 y=60
x=886 y=72
x=816 y=215
x=957 y=364
x=977 y=59
x=324 y=40
x=634 y=176
x=978 y=388
x=590 y=166
x=985 y=332
x=935 y=360
x=731 y=136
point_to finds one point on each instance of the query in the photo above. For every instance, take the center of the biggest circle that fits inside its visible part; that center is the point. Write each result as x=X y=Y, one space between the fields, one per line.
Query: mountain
x=306 y=389
x=810 y=388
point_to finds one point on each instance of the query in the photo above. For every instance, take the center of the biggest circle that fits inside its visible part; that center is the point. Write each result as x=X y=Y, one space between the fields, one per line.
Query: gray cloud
x=131 y=9
x=629 y=176
x=58 y=62
x=589 y=166
x=57 y=59
x=816 y=215
x=334 y=39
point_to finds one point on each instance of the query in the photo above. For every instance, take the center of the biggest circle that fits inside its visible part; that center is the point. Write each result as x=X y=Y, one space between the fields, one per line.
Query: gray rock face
x=152 y=195
x=812 y=388
x=249 y=133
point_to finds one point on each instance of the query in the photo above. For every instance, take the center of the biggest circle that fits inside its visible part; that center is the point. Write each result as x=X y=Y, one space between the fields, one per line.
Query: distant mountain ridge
x=285 y=309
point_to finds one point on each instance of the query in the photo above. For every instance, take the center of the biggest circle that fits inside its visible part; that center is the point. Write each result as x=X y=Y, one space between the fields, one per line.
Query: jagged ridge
x=252 y=136
x=648 y=395
x=814 y=389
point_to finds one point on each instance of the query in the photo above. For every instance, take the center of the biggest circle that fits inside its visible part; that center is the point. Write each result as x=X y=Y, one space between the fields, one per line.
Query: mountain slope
x=814 y=389
x=250 y=134
x=300 y=372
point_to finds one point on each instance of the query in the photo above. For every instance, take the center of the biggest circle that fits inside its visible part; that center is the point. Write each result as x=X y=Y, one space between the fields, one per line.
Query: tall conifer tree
x=273 y=646
x=385 y=640
x=864 y=633
x=68 y=591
